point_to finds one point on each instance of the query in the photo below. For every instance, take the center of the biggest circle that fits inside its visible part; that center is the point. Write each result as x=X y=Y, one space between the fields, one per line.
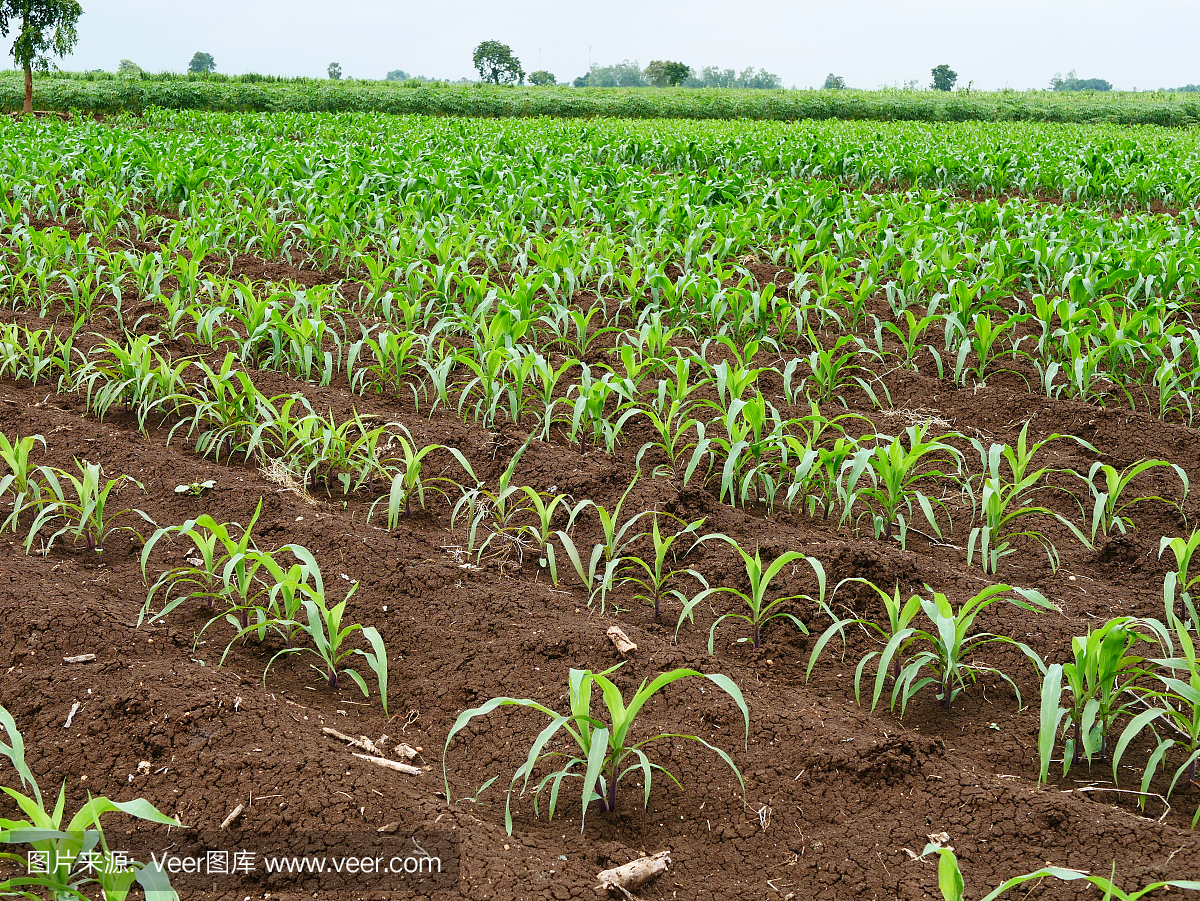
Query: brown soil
x=835 y=795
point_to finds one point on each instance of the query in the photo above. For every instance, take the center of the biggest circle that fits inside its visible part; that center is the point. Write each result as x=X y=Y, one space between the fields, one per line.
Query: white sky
x=1018 y=43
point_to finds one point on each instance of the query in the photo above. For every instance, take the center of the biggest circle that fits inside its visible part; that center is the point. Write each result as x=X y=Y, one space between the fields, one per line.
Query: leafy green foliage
x=1097 y=682
x=202 y=63
x=48 y=28
x=496 y=63
x=935 y=655
x=88 y=515
x=943 y=78
x=1003 y=501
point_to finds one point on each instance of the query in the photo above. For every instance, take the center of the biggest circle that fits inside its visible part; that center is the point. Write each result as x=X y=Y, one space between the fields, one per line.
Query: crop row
x=707 y=422
x=597 y=171
x=136 y=95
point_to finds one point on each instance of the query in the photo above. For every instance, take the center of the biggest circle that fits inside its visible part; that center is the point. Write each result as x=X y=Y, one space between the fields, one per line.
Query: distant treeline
x=142 y=75
x=242 y=94
x=1074 y=83
x=628 y=74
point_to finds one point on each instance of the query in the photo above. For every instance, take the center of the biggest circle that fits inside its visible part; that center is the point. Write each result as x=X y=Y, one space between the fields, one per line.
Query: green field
x=111 y=94
x=888 y=429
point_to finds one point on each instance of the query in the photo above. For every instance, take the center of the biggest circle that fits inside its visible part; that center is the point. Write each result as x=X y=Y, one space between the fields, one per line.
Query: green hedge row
x=134 y=95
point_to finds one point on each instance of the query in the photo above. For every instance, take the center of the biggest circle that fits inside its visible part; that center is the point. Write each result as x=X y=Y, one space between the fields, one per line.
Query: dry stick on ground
x=623 y=642
x=631 y=875
x=233 y=815
x=408 y=751
x=365 y=744
x=392 y=765
x=362 y=743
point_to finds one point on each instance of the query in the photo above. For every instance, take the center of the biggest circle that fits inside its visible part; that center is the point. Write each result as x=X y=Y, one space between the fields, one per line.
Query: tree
x=202 y=64
x=541 y=76
x=712 y=77
x=335 y=71
x=677 y=73
x=47 y=29
x=495 y=63
x=662 y=73
x=834 y=82
x=397 y=75
x=129 y=67
x=1074 y=83
x=943 y=77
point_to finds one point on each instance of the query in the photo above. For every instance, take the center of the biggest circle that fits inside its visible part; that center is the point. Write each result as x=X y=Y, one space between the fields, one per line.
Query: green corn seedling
x=1109 y=505
x=606 y=753
x=943 y=663
x=760 y=611
x=896 y=470
x=1101 y=671
x=953 y=888
x=653 y=576
x=89 y=515
x=1003 y=502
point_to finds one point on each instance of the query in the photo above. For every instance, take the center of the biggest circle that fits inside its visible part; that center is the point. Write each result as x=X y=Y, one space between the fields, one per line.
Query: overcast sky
x=1018 y=43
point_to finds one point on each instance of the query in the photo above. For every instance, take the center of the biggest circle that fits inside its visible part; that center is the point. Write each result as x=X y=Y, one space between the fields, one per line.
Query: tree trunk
x=28 y=89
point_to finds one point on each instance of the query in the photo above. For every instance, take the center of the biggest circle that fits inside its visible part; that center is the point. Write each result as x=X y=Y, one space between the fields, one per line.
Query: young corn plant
x=279 y=428
x=760 y=611
x=323 y=626
x=285 y=590
x=136 y=375
x=830 y=372
x=909 y=337
x=224 y=412
x=1110 y=504
x=1176 y=708
x=498 y=512
x=21 y=478
x=1099 y=682
x=67 y=847
x=900 y=615
x=383 y=360
x=1003 y=502
x=214 y=544
x=410 y=480
x=896 y=470
x=573 y=330
x=832 y=479
x=683 y=454
x=587 y=413
x=89 y=516
x=653 y=576
x=753 y=430
x=985 y=340
x=606 y=753
x=35 y=355
x=617 y=538
x=544 y=509
x=1179 y=579
x=943 y=663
